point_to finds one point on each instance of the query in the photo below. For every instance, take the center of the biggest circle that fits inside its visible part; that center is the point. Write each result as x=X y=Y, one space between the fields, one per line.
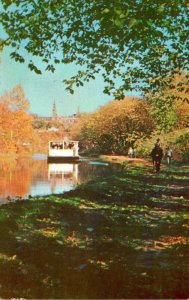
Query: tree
x=6 y=128
x=115 y=126
x=39 y=124
x=15 y=99
x=140 y=42
x=23 y=128
x=15 y=123
x=169 y=106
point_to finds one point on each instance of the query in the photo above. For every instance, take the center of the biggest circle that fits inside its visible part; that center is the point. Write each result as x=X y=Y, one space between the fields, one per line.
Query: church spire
x=78 y=112
x=54 y=113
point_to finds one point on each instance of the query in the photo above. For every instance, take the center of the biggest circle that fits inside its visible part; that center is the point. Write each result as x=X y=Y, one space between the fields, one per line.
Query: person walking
x=131 y=152
x=157 y=155
x=158 y=143
x=168 y=154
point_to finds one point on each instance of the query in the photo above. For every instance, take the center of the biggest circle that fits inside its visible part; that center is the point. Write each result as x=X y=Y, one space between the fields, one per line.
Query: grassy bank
x=123 y=236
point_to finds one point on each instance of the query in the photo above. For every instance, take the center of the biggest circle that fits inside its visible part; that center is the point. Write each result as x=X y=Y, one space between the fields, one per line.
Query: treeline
x=136 y=122
x=16 y=125
x=114 y=127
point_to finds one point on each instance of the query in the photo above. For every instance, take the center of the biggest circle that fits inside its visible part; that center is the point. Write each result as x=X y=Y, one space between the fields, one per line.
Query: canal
x=23 y=177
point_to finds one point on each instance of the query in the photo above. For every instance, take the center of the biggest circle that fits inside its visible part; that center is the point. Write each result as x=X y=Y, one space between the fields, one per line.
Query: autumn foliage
x=169 y=106
x=16 y=131
x=114 y=127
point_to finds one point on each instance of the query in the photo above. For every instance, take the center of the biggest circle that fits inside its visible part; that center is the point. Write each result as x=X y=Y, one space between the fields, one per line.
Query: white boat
x=63 y=151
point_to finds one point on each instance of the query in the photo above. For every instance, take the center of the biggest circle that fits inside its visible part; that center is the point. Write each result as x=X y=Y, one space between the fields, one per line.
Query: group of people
x=157 y=155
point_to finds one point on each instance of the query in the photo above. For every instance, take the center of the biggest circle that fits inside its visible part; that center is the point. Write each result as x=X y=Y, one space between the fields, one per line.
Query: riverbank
x=121 y=159
x=122 y=236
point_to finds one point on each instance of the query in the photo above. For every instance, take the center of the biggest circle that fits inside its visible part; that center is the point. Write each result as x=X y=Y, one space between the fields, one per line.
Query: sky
x=42 y=90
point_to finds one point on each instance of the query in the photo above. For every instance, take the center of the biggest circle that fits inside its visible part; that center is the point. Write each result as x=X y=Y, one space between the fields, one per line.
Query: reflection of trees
x=15 y=177
x=17 y=174
x=89 y=171
x=39 y=170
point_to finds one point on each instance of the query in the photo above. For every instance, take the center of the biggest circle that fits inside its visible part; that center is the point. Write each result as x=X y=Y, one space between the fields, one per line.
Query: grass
x=123 y=236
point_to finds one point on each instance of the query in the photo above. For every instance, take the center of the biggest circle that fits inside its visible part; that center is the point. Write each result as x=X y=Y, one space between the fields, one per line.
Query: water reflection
x=98 y=163
x=24 y=176
x=64 y=174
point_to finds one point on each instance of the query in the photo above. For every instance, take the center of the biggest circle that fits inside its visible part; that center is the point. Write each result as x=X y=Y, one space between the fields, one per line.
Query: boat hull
x=58 y=159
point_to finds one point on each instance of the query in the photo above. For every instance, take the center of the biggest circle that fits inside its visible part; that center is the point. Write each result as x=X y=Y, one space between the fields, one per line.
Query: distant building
x=53 y=129
x=65 y=121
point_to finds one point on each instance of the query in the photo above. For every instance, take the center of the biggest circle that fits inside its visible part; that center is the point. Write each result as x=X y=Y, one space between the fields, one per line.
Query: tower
x=54 y=113
x=78 y=112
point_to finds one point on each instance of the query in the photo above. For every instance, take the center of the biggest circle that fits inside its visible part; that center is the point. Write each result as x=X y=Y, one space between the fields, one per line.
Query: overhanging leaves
x=135 y=42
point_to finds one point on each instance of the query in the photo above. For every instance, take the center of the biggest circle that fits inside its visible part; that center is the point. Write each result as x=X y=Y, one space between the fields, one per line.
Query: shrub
x=182 y=144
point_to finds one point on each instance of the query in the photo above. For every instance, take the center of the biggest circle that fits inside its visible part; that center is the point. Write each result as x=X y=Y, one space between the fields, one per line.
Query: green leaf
x=132 y=22
x=60 y=242
x=119 y=23
x=149 y=22
x=106 y=11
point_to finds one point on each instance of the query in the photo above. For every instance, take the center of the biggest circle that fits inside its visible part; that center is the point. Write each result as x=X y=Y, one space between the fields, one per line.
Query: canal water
x=33 y=176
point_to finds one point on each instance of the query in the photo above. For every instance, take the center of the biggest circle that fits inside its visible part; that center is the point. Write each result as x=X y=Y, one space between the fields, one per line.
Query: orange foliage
x=113 y=127
x=42 y=139
x=15 y=99
x=15 y=123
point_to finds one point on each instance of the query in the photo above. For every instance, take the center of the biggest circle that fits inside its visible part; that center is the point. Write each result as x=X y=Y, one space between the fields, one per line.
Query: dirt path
x=122 y=158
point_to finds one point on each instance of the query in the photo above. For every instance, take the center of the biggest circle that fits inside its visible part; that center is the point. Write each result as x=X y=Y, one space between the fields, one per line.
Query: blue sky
x=42 y=90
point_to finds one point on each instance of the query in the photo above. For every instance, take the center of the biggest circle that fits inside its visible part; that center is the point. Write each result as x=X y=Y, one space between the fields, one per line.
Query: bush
x=178 y=140
x=182 y=144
